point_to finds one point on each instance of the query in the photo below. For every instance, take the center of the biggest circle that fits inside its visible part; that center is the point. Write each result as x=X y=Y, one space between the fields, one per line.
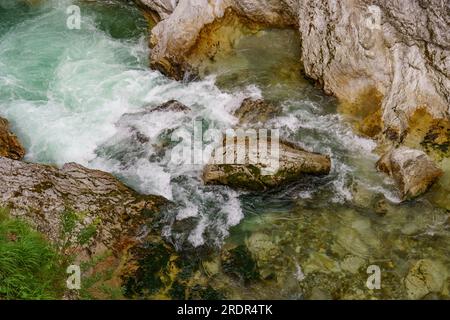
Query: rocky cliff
x=44 y=194
x=388 y=61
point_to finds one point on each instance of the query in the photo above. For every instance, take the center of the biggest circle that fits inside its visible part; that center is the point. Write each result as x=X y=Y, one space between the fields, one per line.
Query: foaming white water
x=84 y=96
x=67 y=93
x=353 y=157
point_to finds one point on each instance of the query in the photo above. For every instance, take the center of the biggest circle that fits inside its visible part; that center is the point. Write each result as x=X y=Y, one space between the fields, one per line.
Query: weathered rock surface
x=163 y=8
x=42 y=194
x=10 y=146
x=136 y=134
x=252 y=161
x=395 y=52
x=169 y=106
x=255 y=111
x=265 y=252
x=424 y=277
x=265 y=171
x=413 y=171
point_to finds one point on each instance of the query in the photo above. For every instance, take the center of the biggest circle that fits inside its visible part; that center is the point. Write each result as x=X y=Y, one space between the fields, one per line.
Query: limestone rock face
x=42 y=193
x=290 y=164
x=398 y=50
x=413 y=171
x=163 y=8
x=10 y=146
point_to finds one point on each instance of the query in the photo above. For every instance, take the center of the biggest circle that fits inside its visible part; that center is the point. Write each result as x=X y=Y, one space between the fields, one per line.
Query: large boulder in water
x=10 y=145
x=290 y=164
x=413 y=171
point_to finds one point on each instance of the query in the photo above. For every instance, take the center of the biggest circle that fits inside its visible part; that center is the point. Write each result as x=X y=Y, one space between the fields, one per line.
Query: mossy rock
x=239 y=263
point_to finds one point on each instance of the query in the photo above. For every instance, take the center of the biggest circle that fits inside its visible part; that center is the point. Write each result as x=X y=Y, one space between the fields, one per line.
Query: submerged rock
x=413 y=171
x=169 y=106
x=91 y=200
x=255 y=111
x=145 y=133
x=320 y=262
x=426 y=276
x=265 y=252
x=291 y=164
x=239 y=263
x=10 y=145
x=352 y=264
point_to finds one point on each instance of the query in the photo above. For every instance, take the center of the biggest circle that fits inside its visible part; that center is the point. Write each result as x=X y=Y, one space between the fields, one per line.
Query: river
x=70 y=96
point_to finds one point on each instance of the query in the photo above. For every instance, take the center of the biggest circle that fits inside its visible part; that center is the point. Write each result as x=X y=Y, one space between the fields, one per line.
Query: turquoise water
x=73 y=95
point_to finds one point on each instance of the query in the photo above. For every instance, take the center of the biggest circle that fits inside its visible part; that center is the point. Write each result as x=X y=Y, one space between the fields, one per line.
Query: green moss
x=205 y=293
x=153 y=264
x=72 y=227
x=242 y=180
x=87 y=233
x=187 y=264
x=69 y=220
x=177 y=291
x=239 y=263
x=30 y=267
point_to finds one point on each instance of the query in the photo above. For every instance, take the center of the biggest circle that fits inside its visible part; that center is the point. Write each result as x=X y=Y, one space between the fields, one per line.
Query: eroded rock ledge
x=396 y=53
x=42 y=194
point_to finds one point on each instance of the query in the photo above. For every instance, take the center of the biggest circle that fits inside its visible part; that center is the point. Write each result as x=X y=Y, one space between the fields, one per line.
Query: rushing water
x=81 y=95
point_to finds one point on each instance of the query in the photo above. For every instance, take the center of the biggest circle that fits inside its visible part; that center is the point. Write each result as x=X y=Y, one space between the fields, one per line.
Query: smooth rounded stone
x=413 y=171
x=364 y=228
x=265 y=253
x=352 y=264
x=411 y=228
x=319 y=294
x=425 y=276
x=320 y=262
x=265 y=172
x=255 y=111
x=357 y=294
x=211 y=267
x=10 y=146
x=362 y=196
x=352 y=242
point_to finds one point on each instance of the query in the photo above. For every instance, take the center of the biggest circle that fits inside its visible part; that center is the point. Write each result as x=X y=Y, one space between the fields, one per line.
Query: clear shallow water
x=71 y=95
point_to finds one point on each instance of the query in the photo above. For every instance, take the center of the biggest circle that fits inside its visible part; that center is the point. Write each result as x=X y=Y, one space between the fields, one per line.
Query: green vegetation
x=152 y=267
x=73 y=232
x=30 y=267
x=99 y=279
